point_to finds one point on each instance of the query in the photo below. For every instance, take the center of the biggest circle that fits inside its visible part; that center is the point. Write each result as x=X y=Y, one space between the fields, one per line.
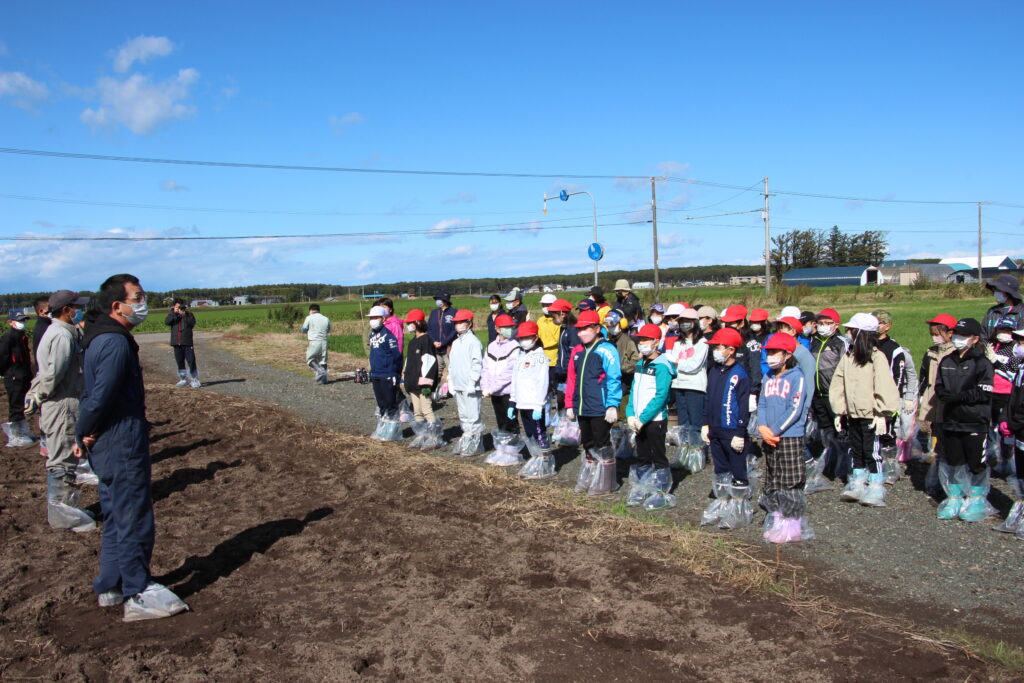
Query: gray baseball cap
x=65 y=297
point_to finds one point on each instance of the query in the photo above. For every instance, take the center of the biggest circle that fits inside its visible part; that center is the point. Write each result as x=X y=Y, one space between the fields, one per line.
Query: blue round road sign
x=595 y=251
x=563 y=195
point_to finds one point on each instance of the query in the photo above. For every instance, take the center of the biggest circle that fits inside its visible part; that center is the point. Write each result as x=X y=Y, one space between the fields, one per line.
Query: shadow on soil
x=179 y=480
x=223 y=381
x=235 y=552
x=177 y=451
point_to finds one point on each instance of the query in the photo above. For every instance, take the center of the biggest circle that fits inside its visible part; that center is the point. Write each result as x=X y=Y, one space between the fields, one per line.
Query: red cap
x=792 y=322
x=588 y=318
x=463 y=315
x=758 y=315
x=834 y=314
x=559 y=306
x=504 y=320
x=527 y=329
x=414 y=315
x=781 y=340
x=650 y=332
x=943 y=319
x=727 y=337
x=734 y=313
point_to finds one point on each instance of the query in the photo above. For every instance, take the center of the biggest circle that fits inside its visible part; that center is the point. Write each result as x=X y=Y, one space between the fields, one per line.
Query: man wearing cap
x=441 y=328
x=827 y=348
x=516 y=309
x=316 y=327
x=181 y=321
x=55 y=391
x=16 y=368
x=1006 y=291
x=593 y=392
x=627 y=302
x=464 y=376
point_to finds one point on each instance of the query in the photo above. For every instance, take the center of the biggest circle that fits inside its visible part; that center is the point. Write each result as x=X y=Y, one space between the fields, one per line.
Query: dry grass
x=279 y=350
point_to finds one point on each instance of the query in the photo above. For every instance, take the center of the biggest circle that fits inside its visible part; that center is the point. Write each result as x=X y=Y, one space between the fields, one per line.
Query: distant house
x=265 y=300
x=965 y=268
x=746 y=280
x=643 y=285
x=833 y=277
x=240 y=300
x=197 y=303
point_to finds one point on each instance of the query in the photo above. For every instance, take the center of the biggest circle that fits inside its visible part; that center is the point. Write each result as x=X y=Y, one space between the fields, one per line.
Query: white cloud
x=139 y=105
x=670 y=240
x=340 y=123
x=447 y=227
x=22 y=89
x=673 y=168
x=141 y=49
x=173 y=186
x=467 y=197
x=459 y=252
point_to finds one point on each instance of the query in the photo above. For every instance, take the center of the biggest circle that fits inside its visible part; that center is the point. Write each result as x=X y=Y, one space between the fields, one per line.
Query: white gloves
x=737 y=444
x=634 y=424
x=570 y=415
x=880 y=426
x=487 y=394
x=909 y=405
x=839 y=423
x=704 y=434
x=31 y=406
x=753 y=404
x=611 y=416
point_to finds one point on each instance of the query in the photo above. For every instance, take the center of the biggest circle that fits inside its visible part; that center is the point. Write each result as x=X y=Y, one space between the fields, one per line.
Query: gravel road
x=899 y=560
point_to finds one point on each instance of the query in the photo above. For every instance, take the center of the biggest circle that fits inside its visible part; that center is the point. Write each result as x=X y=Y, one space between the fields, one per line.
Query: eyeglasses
x=137 y=299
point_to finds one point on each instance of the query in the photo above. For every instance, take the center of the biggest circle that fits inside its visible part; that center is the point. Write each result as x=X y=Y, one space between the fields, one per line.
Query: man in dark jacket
x=16 y=368
x=627 y=302
x=1006 y=291
x=441 y=329
x=516 y=309
x=181 y=321
x=112 y=431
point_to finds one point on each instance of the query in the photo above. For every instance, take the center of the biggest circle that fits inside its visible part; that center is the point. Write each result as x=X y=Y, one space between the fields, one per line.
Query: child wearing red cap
x=941 y=329
x=529 y=392
x=464 y=372
x=593 y=391
x=496 y=381
x=647 y=417
x=781 y=415
x=726 y=415
x=828 y=347
x=421 y=375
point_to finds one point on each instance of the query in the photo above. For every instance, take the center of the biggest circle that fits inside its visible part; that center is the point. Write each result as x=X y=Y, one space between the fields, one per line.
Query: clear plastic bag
x=567 y=433
x=554 y=417
x=587 y=469
x=387 y=430
x=507 y=449
x=85 y=475
x=626 y=449
x=787 y=522
x=405 y=413
x=641 y=484
x=62 y=499
x=692 y=457
x=675 y=436
x=738 y=511
x=815 y=478
x=540 y=465
x=471 y=443
x=720 y=489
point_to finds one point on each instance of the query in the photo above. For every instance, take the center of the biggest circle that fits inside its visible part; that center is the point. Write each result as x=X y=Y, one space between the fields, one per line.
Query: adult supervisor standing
x=181 y=321
x=113 y=432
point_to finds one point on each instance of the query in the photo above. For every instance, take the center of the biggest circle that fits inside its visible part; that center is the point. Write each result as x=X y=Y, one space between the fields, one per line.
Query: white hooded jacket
x=530 y=379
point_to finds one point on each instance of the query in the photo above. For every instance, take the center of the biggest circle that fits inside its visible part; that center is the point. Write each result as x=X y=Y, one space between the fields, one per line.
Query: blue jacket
x=567 y=341
x=784 y=401
x=441 y=327
x=727 y=407
x=594 y=381
x=385 y=358
x=804 y=359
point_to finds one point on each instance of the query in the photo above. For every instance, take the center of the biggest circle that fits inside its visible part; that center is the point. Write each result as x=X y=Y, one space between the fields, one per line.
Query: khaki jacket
x=929 y=409
x=864 y=391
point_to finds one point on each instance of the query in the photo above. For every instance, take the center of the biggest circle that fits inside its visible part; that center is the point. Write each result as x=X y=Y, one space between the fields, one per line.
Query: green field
x=909 y=306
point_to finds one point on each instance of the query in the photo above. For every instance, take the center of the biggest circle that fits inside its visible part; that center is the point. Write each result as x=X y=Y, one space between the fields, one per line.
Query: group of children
x=810 y=402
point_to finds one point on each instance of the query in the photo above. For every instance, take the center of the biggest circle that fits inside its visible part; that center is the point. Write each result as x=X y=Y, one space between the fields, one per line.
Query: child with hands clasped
x=464 y=372
x=496 y=381
x=529 y=394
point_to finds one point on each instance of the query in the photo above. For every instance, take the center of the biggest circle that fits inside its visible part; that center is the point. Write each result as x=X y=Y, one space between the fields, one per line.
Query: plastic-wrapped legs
x=471 y=443
x=541 y=464
x=603 y=482
x=587 y=469
x=720 y=488
x=507 y=447
x=641 y=483
x=388 y=429
x=85 y=475
x=17 y=434
x=193 y=379
x=737 y=511
x=874 y=495
x=892 y=468
x=789 y=522
x=954 y=481
x=815 y=478
x=430 y=436
x=660 y=498
x=182 y=378
x=752 y=472
x=1015 y=516
x=62 y=496
x=856 y=486
x=976 y=508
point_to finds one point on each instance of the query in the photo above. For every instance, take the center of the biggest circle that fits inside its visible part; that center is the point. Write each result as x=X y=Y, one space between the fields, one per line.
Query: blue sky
x=871 y=99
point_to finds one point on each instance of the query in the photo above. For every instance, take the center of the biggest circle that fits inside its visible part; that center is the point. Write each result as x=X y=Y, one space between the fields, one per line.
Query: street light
x=595 y=252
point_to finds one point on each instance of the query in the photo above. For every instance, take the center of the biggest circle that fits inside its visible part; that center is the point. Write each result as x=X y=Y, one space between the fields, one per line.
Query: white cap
x=377 y=312
x=789 y=312
x=863 y=321
x=1018 y=333
x=675 y=309
x=548 y=298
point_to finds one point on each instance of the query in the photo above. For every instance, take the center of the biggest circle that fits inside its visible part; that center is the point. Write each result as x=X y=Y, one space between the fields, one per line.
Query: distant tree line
x=827 y=248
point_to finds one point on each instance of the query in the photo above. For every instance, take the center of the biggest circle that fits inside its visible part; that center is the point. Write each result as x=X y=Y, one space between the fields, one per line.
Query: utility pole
x=654 y=228
x=979 y=242
x=767 y=243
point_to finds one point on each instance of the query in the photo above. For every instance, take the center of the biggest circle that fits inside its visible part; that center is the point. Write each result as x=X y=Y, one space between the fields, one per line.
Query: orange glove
x=768 y=436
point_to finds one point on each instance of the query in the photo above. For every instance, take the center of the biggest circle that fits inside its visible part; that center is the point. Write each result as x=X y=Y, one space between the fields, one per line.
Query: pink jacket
x=396 y=327
x=499 y=361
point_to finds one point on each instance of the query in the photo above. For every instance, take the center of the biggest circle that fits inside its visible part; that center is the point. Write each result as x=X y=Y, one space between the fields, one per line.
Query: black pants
x=650 y=445
x=16 y=386
x=725 y=459
x=535 y=429
x=500 y=404
x=964 y=448
x=862 y=444
x=183 y=354
x=385 y=390
x=595 y=432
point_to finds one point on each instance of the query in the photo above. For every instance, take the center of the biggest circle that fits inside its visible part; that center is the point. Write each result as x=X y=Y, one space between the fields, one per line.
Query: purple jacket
x=499 y=361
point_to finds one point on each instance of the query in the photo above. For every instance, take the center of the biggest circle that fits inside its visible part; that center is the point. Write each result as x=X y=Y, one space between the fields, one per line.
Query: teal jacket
x=652 y=383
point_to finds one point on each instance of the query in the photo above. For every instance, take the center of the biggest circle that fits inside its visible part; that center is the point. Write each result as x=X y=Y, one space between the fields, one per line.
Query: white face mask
x=704 y=324
x=614 y=330
x=505 y=332
x=17 y=325
x=937 y=339
x=656 y=319
x=495 y=307
x=461 y=328
x=673 y=325
x=526 y=344
x=755 y=327
x=1004 y=337
x=826 y=330
x=544 y=310
x=774 y=360
x=646 y=348
x=411 y=329
x=719 y=356
x=1000 y=297
x=808 y=330
x=375 y=324
x=587 y=335
x=140 y=311
x=438 y=303
x=1018 y=351
x=959 y=342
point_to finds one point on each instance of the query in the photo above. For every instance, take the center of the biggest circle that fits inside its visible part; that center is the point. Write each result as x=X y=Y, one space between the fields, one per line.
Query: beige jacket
x=864 y=391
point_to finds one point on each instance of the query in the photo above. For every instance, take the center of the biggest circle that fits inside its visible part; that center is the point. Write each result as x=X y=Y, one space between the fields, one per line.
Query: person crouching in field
x=863 y=394
x=647 y=417
x=316 y=326
x=385 y=368
x=496 y=381
x=529 y=394
x=464 y=373
x=781 y=415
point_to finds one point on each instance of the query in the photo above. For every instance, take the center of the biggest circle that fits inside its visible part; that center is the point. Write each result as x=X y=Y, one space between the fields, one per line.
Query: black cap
x=807 y=317
x=17 y=315
x=1006 y=284
x=443 y=296
x=968 y=327
x=596 y=291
